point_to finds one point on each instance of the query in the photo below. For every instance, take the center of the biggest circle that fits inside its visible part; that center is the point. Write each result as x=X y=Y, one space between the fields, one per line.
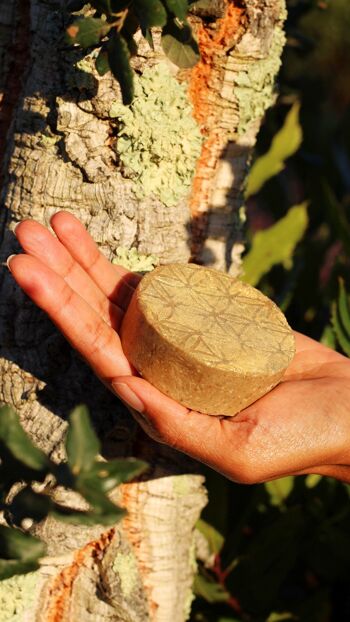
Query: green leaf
x=102 y=64
x=340 y=317
x=102 y=507
x=336 y=212
x=312 y=480
x=82 y=444
x=177 y=8
x=284 y=144
x=342 y=336
x=211 y=591
x=19 y=552
x=114 y=472
x=267 y=559
x=149 y=38
x=328 y=337
x=118 y=57
x=279 y=489
x=76 y=517
x=18 y=443
x=87 y=31
x=214 y=538
x=343 y=307
x=179 y=45
x=150 y=13
x=279 y=616
x=275 y=245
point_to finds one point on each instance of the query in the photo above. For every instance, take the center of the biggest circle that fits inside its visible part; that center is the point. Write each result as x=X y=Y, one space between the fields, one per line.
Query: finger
x=282 y=433
x=97 y=342
x=196 y=434
x=37 y=241
x=116 y=282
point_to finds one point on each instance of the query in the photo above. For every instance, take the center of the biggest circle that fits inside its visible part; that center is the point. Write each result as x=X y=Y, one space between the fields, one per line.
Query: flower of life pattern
x=216 y=319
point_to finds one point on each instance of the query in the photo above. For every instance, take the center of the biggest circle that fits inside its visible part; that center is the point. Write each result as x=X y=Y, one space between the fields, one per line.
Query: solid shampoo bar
x=211 y=342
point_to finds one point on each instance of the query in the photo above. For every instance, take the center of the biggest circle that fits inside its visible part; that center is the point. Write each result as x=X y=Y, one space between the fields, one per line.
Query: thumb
x=160 y=416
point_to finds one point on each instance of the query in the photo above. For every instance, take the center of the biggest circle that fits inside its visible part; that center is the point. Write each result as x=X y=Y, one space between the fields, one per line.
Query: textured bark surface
x=58 y=155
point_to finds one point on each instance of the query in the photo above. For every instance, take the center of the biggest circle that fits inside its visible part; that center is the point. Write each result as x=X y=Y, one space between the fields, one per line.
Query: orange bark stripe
x=205 y=79
x=61 y=587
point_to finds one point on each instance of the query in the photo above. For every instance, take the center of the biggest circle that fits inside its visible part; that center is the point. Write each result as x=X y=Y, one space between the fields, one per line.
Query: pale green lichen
x=159 y=141
x=17 y=595
x=189 y=597
x=48 y=140
x=181 y=485
x=80 y=75
x=132 y=260
x=125 y=566
x=254 y=87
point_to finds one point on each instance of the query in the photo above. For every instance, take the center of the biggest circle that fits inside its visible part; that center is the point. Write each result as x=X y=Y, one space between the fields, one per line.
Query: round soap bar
x=211 y=342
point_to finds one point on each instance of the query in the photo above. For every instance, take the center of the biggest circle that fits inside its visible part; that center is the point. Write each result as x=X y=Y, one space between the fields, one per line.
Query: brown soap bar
x=207 y=340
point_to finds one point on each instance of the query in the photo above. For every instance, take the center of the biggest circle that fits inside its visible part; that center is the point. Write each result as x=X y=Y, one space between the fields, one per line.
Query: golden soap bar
x=211 y=342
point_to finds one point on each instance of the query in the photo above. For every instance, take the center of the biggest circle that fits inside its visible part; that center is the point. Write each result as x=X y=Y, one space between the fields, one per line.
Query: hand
x=302 y=426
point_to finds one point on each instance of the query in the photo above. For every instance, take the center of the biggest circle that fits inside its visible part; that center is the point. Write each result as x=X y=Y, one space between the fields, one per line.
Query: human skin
x=302 y=426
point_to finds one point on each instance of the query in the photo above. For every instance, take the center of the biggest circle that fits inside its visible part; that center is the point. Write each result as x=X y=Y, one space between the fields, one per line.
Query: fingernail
x=126 y=394
x=8 y=261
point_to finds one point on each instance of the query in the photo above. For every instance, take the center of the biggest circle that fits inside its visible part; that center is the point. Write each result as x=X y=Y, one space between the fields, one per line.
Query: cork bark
x=58 y=154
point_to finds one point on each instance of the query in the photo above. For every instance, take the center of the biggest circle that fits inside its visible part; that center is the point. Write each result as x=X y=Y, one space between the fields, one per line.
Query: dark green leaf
x=82 y=444
x=131 y=43
x=102 y=64
x=336 y=212
x=87 y=31
x=118 y=57
x=211 y=591
x=279 y=489
x=328 y=337
x=342 y=336
x=92 y=490
x=284 y=144
x=343 y=306
x=275 y=244
x=18 y=443
x=149 y=38
x=131 y=23
x=213 y=537
x=76 y=517
x=179 y=45
x=270 y=555
x=278 y=616
x=150 y=13
x=114 y=472
x=177 y=8
x=19 y=552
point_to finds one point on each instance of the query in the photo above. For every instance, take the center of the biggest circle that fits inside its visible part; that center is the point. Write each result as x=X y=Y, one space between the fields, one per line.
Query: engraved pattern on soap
x=222 y=322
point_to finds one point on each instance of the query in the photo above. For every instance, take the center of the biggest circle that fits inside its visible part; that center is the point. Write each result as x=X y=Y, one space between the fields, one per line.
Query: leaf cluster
x=277 y=549
x=84 y=473
x=111 y=28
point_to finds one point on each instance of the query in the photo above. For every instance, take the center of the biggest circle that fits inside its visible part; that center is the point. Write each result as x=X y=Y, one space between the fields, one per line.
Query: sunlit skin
x=302 y=426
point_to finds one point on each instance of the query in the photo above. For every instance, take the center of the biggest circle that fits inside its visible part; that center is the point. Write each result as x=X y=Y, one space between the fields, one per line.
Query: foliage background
x=285 y=547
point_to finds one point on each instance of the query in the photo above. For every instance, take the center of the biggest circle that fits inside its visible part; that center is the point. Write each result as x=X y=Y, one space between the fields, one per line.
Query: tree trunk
x=62 y=153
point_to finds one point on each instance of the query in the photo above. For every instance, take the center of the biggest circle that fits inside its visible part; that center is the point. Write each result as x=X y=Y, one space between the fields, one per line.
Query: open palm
x=302 y=426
